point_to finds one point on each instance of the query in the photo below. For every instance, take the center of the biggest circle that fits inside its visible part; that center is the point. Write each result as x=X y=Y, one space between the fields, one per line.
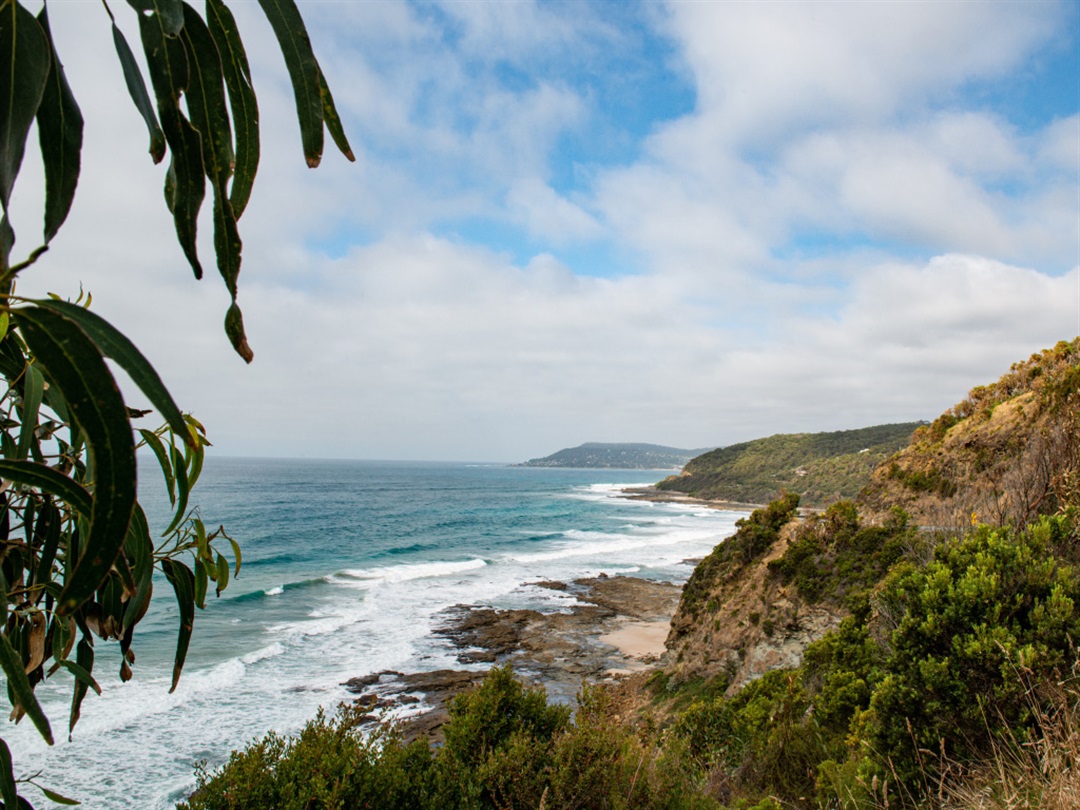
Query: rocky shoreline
x=616 y=628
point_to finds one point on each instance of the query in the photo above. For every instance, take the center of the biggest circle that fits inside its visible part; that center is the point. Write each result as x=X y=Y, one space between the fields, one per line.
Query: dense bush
x=505 y=748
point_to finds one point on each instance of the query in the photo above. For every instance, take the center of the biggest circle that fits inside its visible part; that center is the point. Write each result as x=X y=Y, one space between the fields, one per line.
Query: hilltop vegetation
x=616 y=456
x=820 y=467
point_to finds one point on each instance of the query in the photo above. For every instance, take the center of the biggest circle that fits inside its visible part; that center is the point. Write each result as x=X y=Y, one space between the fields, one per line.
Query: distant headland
x=618 y=456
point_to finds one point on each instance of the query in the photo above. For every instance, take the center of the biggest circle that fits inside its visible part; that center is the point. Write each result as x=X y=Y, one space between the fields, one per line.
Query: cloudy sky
x=688 y=223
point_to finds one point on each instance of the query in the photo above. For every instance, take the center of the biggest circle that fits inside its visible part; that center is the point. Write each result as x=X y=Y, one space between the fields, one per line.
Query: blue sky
x=687 y=223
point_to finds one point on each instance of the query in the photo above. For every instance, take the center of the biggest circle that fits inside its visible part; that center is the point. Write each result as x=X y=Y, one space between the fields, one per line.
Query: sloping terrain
x=616 y=456
x=820 y=467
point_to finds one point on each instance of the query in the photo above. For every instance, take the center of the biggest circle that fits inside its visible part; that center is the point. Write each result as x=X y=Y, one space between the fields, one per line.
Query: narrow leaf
x=84 y=658
x=48 y=531
x=60 y=133
x=137 y=90
x=234 y=328
x=201 y=583
x=222 y=574
x=7 y=777
x=58 y=798
x=167 y=14
x=24 y=71
x=182 y=490
x=155 y=444
x=20 y=687
x=183 y=582
x=236 y=555
x=48 y=480
x=33 y=388
x=115 y=345
x=210 y=116
x=242 y=102
x=140 y=548
x=76 y=367
x=185 y=185
x=303 y=70
x=333 y=120
x=80 y=674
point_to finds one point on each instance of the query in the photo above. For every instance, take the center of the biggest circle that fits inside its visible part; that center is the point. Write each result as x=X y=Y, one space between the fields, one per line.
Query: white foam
x=410 y=571
x=280 y=589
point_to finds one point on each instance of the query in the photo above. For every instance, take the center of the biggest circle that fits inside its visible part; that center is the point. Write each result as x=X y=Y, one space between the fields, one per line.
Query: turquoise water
x=346 y=568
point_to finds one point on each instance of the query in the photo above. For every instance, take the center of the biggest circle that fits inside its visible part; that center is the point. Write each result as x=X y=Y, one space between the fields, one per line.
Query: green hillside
x=616 y=456
x=820 y=467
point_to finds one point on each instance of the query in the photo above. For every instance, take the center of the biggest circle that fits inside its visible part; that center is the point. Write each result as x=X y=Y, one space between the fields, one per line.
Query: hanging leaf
x=234 y=328
x=116 y=346
x=33 y=388
x=84 y=657
x=303 y=70
x=185 y=186
x=137 y=90
x=60 y=133
x=209 y=115
x=140 y=548
x=168 y=15
x=7 y=777
x=24 y=71
x=183 y=582
x=242 y=102
x=333 y=121
x=76 y=367
x=19 y=686
x=155 y=444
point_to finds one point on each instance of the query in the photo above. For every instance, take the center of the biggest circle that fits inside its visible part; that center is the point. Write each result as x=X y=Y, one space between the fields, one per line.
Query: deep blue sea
x=346 y=566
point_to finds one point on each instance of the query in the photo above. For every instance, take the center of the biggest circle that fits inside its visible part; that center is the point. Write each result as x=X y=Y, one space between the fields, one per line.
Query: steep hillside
x=820 y=467
x=616 y=456
x=1006 y=453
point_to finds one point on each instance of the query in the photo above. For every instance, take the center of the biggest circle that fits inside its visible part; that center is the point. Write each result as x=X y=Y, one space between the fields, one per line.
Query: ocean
x=346 y=567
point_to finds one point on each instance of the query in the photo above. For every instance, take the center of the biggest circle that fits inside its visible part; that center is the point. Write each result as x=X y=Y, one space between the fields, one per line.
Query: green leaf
x=115 y=345
x=24 y=71
x=19 y=686
x=48 y=480
x=222 y=574
x=7 y=777
x=154 y=443
x=236 y=553
x=333 y=121
x=303 y=70
x=234 y=328
x=182 y=490
x=84 y=658
x=60 y=133
x=76 y=367
x=168 y=15
x=242 y=101
x=185 y=185
x=33 y=388
x=53 y=796
x=48 y=529
x=201 y=583
x=80 y=674
x=140 y=548
x=209 y=115
x=183 y=582
x=137 y=90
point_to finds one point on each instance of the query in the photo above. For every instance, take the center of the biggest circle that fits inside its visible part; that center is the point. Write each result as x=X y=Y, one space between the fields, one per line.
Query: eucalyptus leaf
x=77 y=368
x=60 y=134
x=33 y=388
x=24 y=71
x=19 y=686
x=183 y=582
x=7 y=777
x=303 y=70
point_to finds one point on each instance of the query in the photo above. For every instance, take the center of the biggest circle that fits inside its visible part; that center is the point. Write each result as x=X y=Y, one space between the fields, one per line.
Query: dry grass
x=1043 y=772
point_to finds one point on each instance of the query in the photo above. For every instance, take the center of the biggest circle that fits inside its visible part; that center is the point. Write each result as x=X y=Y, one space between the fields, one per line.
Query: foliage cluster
x=77 y=556
x=821 y=467
x=930 y=672
x=835 y=558
x=754 y=536
x=505 y=748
